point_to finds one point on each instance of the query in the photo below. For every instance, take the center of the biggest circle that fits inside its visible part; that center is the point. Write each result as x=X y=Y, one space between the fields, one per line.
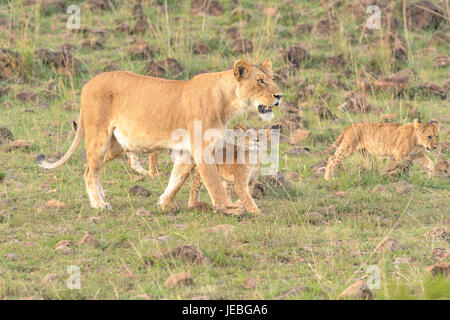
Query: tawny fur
x=399 y=142
x=126 y=112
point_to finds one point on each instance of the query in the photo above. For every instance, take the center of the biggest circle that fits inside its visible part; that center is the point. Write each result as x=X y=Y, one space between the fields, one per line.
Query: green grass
x=282 y=248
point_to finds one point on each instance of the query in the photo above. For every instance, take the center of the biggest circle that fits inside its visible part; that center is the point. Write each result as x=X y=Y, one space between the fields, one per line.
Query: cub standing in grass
x=242 y=172
x=399 y=142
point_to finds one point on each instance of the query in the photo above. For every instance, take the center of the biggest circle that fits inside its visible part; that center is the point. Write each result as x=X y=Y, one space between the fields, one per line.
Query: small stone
x=143 y=213
x=389 y=244
x=89 y=240
x=442 y=268
x=51 y=277
x=314 y=217
x=188 y=253
x=179 y=279
x=11 y=256
x=139 y=191
x=55 y=204
x=221 y=228
x=358 y=290
x=64 y=250
x=249 y=283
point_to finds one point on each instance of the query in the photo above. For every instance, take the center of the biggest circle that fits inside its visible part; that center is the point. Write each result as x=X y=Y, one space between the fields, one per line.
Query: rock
x=440 y=253
x=295 y=55
x=242 y=46
x=326 y=27
x=94 y=43
x=179 y=279
x=209 y=7
x=441 y=61
x=9 y=63
x=314 y=217
x=11 y=256
x=438 y=233
x=89 y=240
x=95 y=220
x=143 y=213
x=433 y=89
x=6 y=135
x=335 y=61
x=141 y=51
x=249 y=283
x=442 y=268
x=389 y=244
x=355 y=102
x=320 y=167
x=388 y=117
x=221 y=228
x=187 y=253
x=55 y=204
x=200 y=48
x=51 y=277
x=233 y=33
x=293 y=176
x=100 y=4
x=141 y=26
x=139 y=191
x=423 y=15
x=153 y=69
x=293 y=292
x=124 y=27
x=23 y=145
x=396 y=84
x=25 y=96
x=171 y=65
x=298 y=136
x=64 y=250
x=61 y=61
x=358 y=290
x=277 y=181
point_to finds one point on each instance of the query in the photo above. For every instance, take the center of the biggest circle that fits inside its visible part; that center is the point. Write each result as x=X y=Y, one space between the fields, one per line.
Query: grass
x=281 y=249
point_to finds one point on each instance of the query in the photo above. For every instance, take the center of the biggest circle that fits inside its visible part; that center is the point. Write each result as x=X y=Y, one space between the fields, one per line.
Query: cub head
x=427 y=134
x=256 y=87
x=250 y=136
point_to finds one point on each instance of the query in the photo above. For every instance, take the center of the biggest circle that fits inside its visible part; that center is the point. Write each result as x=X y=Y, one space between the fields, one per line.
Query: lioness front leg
x=427 y=163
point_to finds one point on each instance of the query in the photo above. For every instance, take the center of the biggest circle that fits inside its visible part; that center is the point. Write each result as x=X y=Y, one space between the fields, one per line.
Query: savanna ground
x=315 y=237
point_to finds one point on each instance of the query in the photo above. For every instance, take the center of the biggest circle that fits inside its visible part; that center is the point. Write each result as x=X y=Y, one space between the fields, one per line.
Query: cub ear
x=416 y=123
x=267 y=64
x=436 y=124
x=241 y=69
x=240 y=126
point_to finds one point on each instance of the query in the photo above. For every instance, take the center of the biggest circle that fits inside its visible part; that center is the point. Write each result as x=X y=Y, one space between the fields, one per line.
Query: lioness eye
x=261 y=81
x=429 y=137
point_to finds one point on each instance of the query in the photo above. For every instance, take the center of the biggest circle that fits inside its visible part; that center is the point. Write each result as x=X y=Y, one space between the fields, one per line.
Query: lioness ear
x=267 y=64
x=241 y=69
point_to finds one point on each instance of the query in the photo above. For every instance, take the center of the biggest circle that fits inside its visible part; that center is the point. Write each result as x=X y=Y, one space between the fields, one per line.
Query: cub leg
x=133 y=161
x=194 y=193
x=426 y=162
x=242 y=190
x=181 y=169
x=341 y=153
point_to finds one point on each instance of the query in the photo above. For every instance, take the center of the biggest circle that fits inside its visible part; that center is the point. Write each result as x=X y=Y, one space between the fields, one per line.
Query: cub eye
x=260 y=81
x=430 y=137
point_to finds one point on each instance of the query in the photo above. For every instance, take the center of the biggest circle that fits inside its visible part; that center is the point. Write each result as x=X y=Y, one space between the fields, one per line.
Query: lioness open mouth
x=264 y=109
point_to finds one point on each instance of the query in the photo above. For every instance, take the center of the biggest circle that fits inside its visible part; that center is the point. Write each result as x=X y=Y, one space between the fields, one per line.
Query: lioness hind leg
x=341 y=153
x=96 y=148
x=115 y=150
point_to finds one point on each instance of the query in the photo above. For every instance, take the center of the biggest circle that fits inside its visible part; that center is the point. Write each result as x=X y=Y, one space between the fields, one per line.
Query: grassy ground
x=282 y=249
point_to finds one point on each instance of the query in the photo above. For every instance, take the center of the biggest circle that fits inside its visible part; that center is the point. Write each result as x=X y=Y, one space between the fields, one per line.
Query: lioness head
x=257 y=88
x=427 y=134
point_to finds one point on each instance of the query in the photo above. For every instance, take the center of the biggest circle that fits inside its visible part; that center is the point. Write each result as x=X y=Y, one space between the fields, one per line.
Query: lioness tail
x=40 y=159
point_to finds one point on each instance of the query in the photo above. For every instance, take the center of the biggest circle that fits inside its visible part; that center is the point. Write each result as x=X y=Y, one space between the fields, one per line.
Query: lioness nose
x=278 y=96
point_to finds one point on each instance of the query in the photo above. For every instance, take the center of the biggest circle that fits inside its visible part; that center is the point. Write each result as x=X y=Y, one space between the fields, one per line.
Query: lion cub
x=399 y=142
x=243 y=173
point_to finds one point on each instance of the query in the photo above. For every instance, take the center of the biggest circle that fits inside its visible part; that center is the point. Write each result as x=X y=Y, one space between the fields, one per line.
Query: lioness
x=243 y=171
x=397 y=141
x=126 y=112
